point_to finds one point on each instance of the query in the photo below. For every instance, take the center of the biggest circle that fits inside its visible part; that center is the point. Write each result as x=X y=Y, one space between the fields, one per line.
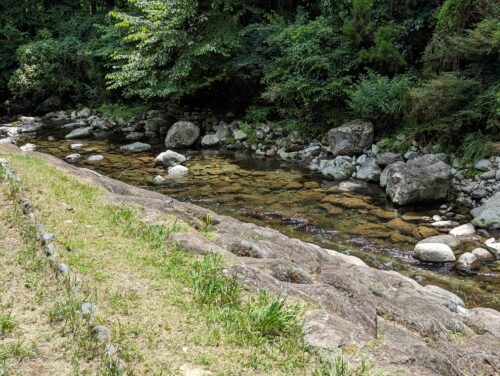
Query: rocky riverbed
x=293 y=191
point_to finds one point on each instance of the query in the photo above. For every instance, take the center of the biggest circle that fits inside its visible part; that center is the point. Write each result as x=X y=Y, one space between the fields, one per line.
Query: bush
x=380 y=98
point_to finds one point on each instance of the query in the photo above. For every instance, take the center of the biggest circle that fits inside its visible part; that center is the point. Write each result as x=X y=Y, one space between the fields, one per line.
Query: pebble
x=95 y=158
x=72 y=158
x=28 y=147
x=158 y=179
x=75 y=146
x=88 y=309
x=101 y=333
x=463 y=230
x=63 y=270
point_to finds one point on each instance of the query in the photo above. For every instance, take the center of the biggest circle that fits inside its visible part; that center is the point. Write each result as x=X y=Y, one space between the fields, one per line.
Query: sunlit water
x=285 y=196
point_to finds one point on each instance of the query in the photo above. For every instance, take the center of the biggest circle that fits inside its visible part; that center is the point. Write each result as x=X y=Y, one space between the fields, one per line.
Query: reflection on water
x=282 y=195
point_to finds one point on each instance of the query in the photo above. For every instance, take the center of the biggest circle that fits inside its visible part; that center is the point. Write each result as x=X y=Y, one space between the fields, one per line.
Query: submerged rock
x=351 y=138
x=136 y=147
x=79 y=133
x=170 y=158
x=420 y=180
x=182 y=134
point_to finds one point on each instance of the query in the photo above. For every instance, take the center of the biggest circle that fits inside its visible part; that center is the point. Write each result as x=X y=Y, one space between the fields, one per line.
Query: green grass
x=7 y=323
x=337 y=365
x=120 y=110
x=474 y=147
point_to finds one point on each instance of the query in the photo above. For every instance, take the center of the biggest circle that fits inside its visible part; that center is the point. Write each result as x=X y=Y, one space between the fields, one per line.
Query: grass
x=337 y=365
x=120 y=110
x=7 y=323
x=166 y=307
x=474 y=147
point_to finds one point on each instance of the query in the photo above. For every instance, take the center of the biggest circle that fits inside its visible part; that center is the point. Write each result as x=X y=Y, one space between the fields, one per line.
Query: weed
x=338 y=366
x=458 y=337
x=7 y=323
x=18 y=350
x=120 y=111
x=475 y=147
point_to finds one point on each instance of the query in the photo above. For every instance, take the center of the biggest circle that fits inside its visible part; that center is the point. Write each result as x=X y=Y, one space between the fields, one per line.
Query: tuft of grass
x=474 y=147
x=337 y=365
x=7 y=323
x=120 y=110
x=18 y=351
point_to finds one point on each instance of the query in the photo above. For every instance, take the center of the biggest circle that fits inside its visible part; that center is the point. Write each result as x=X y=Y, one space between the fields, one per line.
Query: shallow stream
x=291 y=199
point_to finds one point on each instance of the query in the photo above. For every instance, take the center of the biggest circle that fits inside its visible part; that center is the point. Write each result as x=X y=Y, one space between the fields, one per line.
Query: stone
x=483 y=165
x=423 y=179
x=493 y=246
x=450 y=240
x=487 y=216
x=387 y=171
x=72 y=158
x=463 y=230
x=95 y=158
x=79 y=133
x=177 y=171
x=84 y=113
x=348 y=186
x=88 y=309
x=28 y=147
x=467 y=261
x=101 y=333
x=136 y=147
x=388 y=158
x=485 y=321
x=351 y=138
x=170 y=158
x=409 y=155
x=433 y=252
x=239 y=135
x=210 y=140
x=369 y=171
x=182 y=134
x=340 y=168
x=483 y=254
x=62 y=270
x=158 y=180
x=134 y=136
x=488 y=175
x=73 y=125
x=75 y=146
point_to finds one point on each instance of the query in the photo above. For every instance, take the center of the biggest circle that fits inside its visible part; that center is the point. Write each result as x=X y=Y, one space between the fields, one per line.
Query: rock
x=170 y=158
x=488 y=215
x=409 y=155
x=351 y=138
x=485 y=320
x=388 y=171
x=136 y=147
x=483 y=254
x=467 y=261
x=210 y=140
x=72 y=158
x=95 y=158
x=348 y=186
x=101 y=333
x=450 y=240
x=177 y=171
x=239 y=135
x=433 y=252
x=88 y=309
x=133 y=136
x=158 y=180
x=388 y=158
x=79 y=133
x=75 y=146
x=73 y=125
x=488 y=175
x=483 y=165
x=463 y=230
x=493 y=246
x=28 y=147
x=422 y=179
x=84 y=113
x=369 y=171
x=340 y=168
x=182 y=134
x=62 y=270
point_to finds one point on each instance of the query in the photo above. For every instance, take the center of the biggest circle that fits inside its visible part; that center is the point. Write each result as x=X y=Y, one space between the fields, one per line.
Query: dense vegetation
x=430 y=67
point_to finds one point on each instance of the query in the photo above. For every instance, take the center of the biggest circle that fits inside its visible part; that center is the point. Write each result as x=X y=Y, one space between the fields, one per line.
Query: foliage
x=116 y=110
x=475 y=147
x=380 y=98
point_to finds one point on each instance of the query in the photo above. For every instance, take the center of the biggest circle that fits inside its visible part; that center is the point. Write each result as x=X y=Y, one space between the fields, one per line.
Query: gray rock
x=388 y=158
x=434 y=252
x=493 y=246
x=340 y=168
x=483 y=254
x=62 y=270
x=369 y=171
x=488 y=215
x=483 y=165
x=388 y=171
x=351 y=138
x=170 y=158
x=28 y=147
x=210 y=140
x=422 y=179
x=182 y=134
x=73 y=125
x=239 y=135
x=101 y=333
x=222 y=131
x=95 y=158
x=488 y=175
x=467 y=261
x=79 y=133
x=136 y=147
x=75 y=146
x=84 y=113
x=450 y=240
x=479 y=194
x=158 y=180
x=463 y=230
x=88 y=309
x=134 y=136
x=485 y=321
x=72 y=158
x=409 y=155
x=177 y=171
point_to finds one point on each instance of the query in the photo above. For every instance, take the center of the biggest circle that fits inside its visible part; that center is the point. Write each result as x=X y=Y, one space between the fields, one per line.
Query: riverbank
x=368 y=312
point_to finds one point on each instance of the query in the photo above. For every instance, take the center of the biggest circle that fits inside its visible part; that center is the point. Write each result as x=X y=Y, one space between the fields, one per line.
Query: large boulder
x=351 y=138
x=182 y=134
x=340 y=168
x=488 y=215
x=422 y=179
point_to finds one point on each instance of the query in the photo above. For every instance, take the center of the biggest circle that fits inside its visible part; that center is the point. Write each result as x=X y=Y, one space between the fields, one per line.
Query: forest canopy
x=428 y=67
